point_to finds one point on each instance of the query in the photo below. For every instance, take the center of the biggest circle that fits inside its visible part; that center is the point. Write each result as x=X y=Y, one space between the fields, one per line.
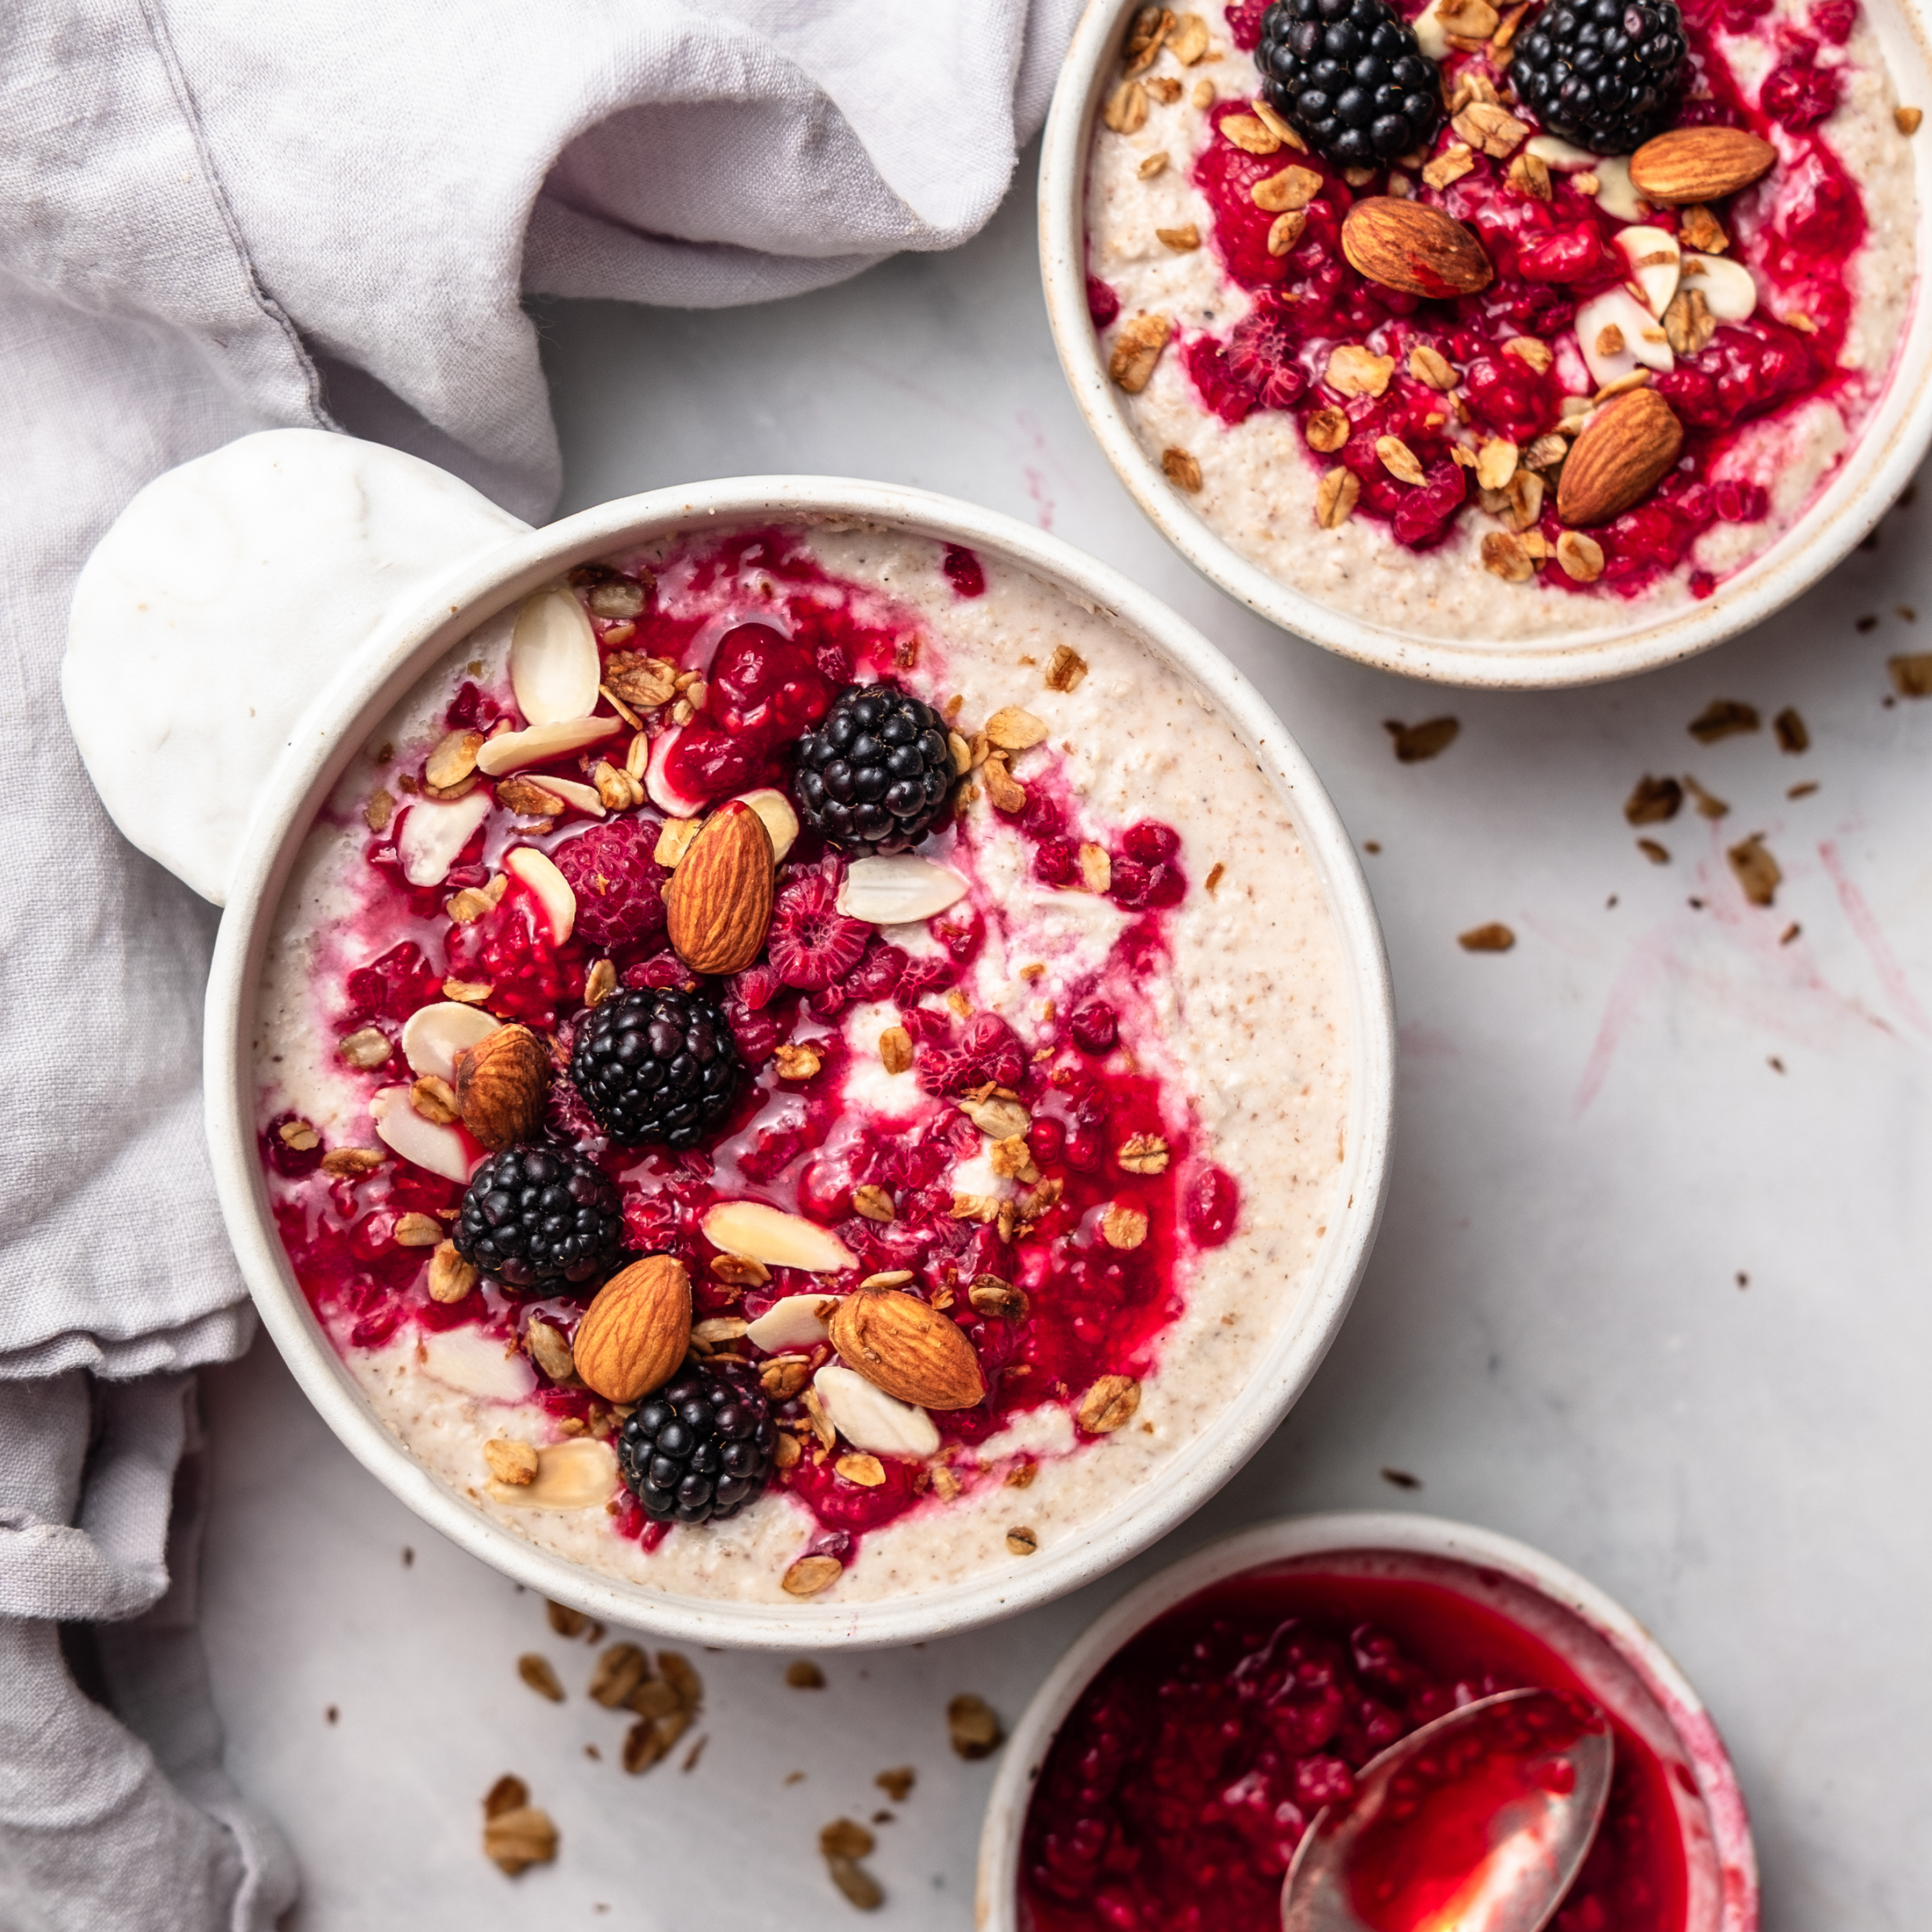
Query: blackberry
x=1349 y=75
x=537 y=1214
x=700 y=1446
x=874 y=775
x=656 y=1064
x=1605 y=74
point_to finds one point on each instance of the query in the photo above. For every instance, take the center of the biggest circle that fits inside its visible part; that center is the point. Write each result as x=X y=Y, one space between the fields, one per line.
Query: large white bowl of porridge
x=789 y=1061
x=1500 y=409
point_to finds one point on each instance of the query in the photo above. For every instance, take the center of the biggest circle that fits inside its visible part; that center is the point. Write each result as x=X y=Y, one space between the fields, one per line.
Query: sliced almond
x=897 y=891
x=432 y=1036
x=516 y=751
x=553 y=658
x=778 y=1238
x=557 y=902
x=437 y=1149
x=433 y=834
x=795 y=1321
x=869 y=1418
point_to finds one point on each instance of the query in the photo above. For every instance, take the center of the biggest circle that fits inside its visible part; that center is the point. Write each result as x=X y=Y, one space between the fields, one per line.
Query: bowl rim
x=1883 y=459
x=1334 y=1533
x=422 y=628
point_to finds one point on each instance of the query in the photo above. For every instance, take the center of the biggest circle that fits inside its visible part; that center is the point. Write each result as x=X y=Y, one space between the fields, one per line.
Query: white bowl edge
x=1886 y=455
x=338 y=726
x=1333 y=1533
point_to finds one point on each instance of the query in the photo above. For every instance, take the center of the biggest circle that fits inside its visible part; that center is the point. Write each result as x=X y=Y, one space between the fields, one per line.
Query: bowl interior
x=1619 y=1663
x=1616 y=641
x=410 y=644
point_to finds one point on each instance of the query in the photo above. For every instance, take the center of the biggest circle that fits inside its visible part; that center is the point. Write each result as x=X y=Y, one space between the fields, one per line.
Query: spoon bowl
x=1476 y=1823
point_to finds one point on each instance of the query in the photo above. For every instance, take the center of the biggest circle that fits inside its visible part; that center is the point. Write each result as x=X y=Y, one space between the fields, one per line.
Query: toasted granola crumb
x=974 y=1730
x=1334 y=497
x=380 y=809
x=1065 y=669
x=810 y=1574
x=536 y=1672
x=797 y=1061
x=1181 y=470
x=348 y=1163
x=1109 y=1405
x=897 y=1783
x=1709 y=805
x=1021 y=1542
x=1144 y=1154
x=1413 y=744
x=1494 y=937
x=511 y=1463
x=1757 y=871
x=1657 y=854
x=1908 y=120
x=1326 y=430
x=1123 y=1227
x=1137 y=348
x=1653 y=801
x=804 y=1675
x=1792 y=736
x=1581 y=557
x=516 y=1836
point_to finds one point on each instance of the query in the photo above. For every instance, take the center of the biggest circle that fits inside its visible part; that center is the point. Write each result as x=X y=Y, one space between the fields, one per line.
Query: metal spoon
x=1476 y=1823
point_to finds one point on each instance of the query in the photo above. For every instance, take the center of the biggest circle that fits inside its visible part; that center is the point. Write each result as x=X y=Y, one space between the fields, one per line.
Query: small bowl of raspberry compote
x=1519 y=343
x=1165 y=1773
x=790 y=1061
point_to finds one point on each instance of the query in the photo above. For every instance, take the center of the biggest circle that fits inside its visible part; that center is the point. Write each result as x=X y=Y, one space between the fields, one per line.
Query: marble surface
x=1652 y=1292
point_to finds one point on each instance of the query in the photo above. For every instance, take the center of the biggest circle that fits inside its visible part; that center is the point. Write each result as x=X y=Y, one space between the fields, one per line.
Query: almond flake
x=1065 y=669
x=1096 y=868
x=895 y=1050
x=1334 y=497
x=718 y=1328
x=1251 y=134
x=1431 y=366
x=1123 y=1227
x=1144 y=1154
x=1582 y=557
x=1355 y=371
x=1449 y=166
x=1398 y=459
x=874 y=1203
x=1181 y=470
x=1326 y=431
x=797 y=1063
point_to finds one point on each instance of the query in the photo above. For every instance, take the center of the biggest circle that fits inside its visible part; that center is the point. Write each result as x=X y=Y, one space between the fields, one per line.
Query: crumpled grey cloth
x=216 y=218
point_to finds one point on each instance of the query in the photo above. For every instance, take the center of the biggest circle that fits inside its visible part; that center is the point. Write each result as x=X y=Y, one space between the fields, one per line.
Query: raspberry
x=1103 y=304
x=1096 y=1027
x=879 y=975
x=1212 y=1205
x=990 y=1054
x=620 y=886
x=1798 y=93
x=811 y=942
x=962 y=568
x=392 y=987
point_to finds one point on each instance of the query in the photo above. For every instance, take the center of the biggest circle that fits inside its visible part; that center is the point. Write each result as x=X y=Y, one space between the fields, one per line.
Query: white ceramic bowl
x=1888 y=453
x=240 y=546
x=1624 y=1667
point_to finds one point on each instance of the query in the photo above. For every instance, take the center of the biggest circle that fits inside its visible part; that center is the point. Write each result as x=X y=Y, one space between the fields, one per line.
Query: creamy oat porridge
x=802 y=1062
x=1492 y=381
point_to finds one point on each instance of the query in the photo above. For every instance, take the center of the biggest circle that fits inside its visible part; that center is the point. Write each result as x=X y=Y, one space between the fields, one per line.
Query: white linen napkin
x=216 y=218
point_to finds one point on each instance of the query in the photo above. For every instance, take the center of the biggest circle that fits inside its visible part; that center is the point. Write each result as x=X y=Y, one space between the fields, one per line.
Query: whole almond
x=502 y=1082
x=910 y=1350
x=1619 y=459
x=719 y=899
x=1693 y=164
x=635 y=1334
x=1418 y=250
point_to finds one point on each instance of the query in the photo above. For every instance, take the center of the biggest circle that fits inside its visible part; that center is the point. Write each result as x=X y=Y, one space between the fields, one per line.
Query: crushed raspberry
x=1095 y=1026
x=1057 y=861
x=1175 y=1794
x=529 y=979
x=765 y=690
x=472 y=709
x=620 y=886
x=988 y=1054
x=1103 y=304
x=1797 y=92
x=1832 y=20
x=1260 y=358
x=1213 y=1207
x=707 y=763
x=812 y=943
x=1245 y=23
x=1147 y=867
x=880 y=972
x=933 y=973
x=962 y=568
x=392 y=987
